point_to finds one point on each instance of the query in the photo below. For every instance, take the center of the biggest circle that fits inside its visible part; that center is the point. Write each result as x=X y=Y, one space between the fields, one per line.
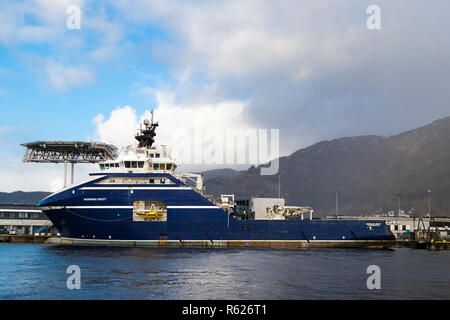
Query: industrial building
x=405 y=225
x=24 y=220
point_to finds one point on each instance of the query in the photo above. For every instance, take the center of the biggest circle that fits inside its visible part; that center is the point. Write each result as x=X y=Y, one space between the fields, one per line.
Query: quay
x=414 y=232
x=423 y=244
x=28 y=238
x=425 y=239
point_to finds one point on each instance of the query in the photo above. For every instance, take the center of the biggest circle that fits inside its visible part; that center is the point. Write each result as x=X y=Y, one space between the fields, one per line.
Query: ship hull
x=82 y=228
x=93 y=213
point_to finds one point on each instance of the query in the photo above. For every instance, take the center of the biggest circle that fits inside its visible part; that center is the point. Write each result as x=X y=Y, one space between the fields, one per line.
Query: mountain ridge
x=367 y=171
x=22 y=197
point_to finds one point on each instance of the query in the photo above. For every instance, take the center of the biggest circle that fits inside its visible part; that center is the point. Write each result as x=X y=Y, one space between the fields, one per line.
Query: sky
x=311 y=69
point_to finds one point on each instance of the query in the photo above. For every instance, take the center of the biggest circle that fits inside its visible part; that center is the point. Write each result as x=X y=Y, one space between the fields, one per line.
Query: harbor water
x=38 y=271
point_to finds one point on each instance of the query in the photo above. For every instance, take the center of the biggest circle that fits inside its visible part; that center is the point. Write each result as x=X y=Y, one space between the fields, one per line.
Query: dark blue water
x=37 y=271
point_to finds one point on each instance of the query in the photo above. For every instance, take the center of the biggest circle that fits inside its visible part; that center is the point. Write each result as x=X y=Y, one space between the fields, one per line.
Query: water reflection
x=39 y=272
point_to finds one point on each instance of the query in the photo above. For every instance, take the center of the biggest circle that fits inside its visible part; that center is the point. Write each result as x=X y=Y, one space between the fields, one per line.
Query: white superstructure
x=146 y=158
x=140 y=160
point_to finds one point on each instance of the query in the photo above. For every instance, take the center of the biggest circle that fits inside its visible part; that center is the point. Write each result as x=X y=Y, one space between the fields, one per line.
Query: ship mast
x=146 y=136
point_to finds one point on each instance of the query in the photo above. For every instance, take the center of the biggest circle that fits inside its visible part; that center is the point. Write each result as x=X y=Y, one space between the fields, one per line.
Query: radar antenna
x=146 y=136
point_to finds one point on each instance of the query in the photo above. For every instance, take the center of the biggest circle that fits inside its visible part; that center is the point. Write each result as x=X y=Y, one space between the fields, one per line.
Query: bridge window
x=157 y=155
x=169 y=166
x=117 y=165
x=137 y=180
x=127 y=164
x=162 y=166
x=141 y=164
x=156 y=166
x=102 y=167
x=133 y=164
x=152 y=155
x=106 y=165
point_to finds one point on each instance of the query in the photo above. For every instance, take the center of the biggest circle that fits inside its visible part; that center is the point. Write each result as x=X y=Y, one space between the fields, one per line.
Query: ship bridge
x=68 y=152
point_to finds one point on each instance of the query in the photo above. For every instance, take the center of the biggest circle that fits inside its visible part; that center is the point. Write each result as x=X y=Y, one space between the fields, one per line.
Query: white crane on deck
x=194 y=177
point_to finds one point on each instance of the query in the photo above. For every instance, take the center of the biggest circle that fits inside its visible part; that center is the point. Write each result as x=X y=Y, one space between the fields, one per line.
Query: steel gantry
x=68 y=152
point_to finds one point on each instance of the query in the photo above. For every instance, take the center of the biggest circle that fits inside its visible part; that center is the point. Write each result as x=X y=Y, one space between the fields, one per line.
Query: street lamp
x=429 y=208
x=337 y=203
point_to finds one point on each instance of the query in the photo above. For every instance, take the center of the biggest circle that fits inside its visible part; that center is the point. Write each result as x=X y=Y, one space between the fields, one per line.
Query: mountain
x=20 y=197
x=367 y=171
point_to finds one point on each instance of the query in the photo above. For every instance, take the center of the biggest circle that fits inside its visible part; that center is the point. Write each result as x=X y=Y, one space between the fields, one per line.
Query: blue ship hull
x=90 y=213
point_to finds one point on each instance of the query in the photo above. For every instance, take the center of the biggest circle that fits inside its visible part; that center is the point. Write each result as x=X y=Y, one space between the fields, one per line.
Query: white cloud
x=176 y=121
x=47 y=26
x=220 y=115
x=62 y=77
x=243 y=38
x=71 y=53
x=311 y=68
x=119 y=129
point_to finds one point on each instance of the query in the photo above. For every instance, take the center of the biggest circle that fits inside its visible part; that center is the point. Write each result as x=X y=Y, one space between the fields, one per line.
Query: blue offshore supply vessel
x=137 y=199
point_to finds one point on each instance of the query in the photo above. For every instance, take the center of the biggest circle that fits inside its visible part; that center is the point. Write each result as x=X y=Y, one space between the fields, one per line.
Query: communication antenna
x=279 y=186
x=146 y=136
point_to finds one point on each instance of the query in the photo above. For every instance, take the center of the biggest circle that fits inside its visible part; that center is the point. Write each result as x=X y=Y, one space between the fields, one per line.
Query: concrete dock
x=24 y=238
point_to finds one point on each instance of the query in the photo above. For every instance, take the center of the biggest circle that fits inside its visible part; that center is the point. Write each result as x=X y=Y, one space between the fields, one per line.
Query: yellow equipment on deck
x=150 y=214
